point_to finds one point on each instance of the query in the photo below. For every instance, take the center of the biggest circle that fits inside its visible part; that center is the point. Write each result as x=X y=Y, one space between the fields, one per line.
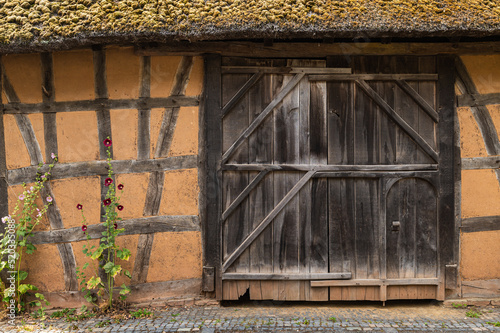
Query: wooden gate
x=335 y=178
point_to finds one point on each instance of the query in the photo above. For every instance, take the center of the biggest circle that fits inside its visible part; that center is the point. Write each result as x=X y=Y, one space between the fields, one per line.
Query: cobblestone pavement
x=287 y=317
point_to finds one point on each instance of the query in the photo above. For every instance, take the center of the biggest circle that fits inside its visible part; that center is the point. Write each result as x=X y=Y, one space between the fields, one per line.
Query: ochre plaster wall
x=174 y=255
x=480 y=251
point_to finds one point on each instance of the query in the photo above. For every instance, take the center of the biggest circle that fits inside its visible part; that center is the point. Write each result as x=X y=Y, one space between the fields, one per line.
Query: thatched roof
x=47 y=24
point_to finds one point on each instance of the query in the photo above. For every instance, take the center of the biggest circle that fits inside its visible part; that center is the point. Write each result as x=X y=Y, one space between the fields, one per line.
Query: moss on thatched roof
x=35 y=22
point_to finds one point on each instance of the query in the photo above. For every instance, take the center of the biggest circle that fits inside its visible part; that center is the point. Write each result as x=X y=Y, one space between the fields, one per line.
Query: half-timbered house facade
x=277 y=150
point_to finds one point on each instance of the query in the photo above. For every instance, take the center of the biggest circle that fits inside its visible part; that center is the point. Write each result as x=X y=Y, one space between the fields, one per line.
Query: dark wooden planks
x=257 y=121
x=426 y=251
x=101 y=93
x=81 y=169
x=261 y=200
x=373 y=77
x=141 y=264
x=476 y=99
x=243 y=91
x=474 y=163
x=286 y=276
x=154 y=193
x=268 y=219
x=48 y=95
x=213 y=150
x=29 y=138
x=446 y=217
x=483 y=223
x=146 y=225
x=144 y=114
x=313 y=200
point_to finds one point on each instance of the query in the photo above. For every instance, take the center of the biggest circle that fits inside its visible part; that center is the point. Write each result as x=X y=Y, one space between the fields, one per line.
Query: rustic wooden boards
x=372 y=148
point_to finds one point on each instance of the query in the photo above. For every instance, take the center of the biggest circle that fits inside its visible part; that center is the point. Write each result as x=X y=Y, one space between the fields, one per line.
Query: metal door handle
x=395 y=226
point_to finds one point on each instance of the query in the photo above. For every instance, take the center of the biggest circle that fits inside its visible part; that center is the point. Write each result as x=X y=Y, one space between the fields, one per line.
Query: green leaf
x=24 y=288
x=127 y=274
x=30 y=248
x=112 y=269
x=85 y=266
x=97 y=253
x=125 y=290
x=22 y=275
x=123 y=254
x=94 y=282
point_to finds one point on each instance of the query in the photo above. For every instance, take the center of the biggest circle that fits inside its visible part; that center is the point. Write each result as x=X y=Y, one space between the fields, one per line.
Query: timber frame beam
x=308 y=50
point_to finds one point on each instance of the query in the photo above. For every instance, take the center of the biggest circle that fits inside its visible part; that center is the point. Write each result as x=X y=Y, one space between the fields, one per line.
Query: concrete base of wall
x=164 y=293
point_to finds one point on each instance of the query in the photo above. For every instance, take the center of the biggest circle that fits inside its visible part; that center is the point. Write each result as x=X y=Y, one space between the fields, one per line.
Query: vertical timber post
x=446 y=217
x=212 y=142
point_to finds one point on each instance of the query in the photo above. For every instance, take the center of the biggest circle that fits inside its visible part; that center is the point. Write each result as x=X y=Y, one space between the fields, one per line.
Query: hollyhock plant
x=15 y=241
x=108 y=252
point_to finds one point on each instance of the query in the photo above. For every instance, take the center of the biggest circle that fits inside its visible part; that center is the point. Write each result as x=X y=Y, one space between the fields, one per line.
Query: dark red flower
x=108 y=181
x=107 y=142
x=115 y=225
x=106 y=202
x=120 y=207
x=120 y=187
x=84 y=228
x=79 y=207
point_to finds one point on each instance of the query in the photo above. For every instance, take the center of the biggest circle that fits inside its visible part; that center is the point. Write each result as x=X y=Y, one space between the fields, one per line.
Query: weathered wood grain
x=213 y=147
x=100 y=80
x=314 y=50
x=243 y=90
x=375 y=282
x=144 y=115
x=399 y=120
x=276 y=100
x=277 y=209
x=8 y=89
x=283 y=70
x=92 y=105
x=93 y=168
x=154 y=193
x=29 y=138
x=329 y=168
x=475 y=100
x=286 y=276
x=446 y=229
x=374 y=77
x=48 y=95
x=482 y=223
x=146 y=225
x=255 y=181
x=475 y=163
x=418 y=99
x=143 y=254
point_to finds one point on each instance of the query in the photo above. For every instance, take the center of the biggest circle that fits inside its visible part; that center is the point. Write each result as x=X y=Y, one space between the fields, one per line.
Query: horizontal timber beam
x=283 y=70
x=478 y=99
x=99 y=104
x=307 y=50
x=328 y=168
x=474 y=163
x=374 y=77
x=375 y=282
x=482 y=223
x=92 y=168
x=146 y=225
x=286 y=276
